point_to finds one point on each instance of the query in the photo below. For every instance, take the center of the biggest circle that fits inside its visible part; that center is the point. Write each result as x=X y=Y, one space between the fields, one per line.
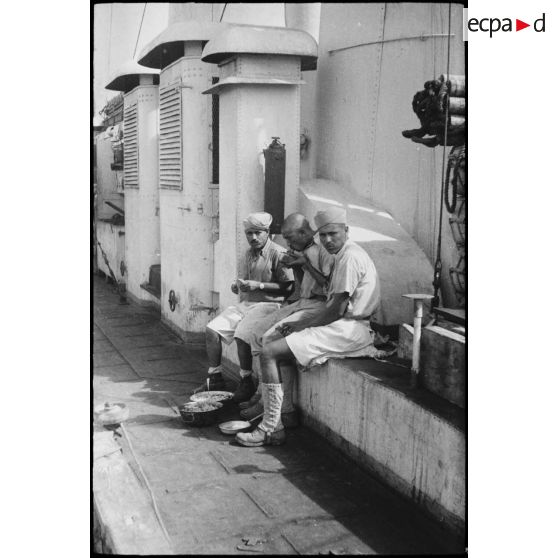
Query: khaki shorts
x=228 y=321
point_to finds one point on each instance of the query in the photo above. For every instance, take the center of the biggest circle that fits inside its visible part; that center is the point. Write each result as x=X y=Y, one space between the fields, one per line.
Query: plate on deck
x=233 y=426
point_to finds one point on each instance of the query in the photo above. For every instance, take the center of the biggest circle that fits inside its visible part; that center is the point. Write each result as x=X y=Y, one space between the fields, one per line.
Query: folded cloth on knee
x=339 y=339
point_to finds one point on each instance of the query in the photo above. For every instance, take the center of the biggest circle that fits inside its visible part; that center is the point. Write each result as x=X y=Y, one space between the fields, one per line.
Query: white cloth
x=260 y=221
x=315 y=345
x=331 y=216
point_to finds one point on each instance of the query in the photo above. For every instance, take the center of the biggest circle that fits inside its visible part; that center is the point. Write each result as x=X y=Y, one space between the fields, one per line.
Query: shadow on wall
x=402 y=266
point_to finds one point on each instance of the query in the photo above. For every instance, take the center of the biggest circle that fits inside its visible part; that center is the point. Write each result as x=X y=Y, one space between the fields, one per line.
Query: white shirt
x=354 y=273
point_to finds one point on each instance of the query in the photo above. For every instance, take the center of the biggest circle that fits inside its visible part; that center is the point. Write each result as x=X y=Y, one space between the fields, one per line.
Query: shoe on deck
x=260 y=438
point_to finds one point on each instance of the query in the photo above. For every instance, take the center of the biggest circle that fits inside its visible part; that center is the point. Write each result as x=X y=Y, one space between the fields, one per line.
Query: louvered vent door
x=170 y=137
x=131 y=156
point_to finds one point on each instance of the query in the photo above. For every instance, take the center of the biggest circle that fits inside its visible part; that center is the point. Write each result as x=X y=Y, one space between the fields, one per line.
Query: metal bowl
x=233 y=426
x=196 y=413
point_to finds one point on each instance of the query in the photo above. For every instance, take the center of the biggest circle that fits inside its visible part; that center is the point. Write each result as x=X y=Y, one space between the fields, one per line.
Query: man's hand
x=288 y=327
x=283 y=329
x=293 y=259
x=234 y=288
x=248 y=285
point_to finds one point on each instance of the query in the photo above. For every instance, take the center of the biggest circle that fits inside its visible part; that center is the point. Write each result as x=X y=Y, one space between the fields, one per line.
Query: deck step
x=125 y=518
x=154 y=285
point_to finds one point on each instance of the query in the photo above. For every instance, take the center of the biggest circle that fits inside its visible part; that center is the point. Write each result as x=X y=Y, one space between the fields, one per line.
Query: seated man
x=265 y=282
x=312 y=265
x=341 y=327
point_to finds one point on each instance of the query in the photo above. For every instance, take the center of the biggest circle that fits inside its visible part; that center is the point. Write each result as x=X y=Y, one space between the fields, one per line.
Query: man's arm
x=279 y=287
x=333 y=310
x=303 y=263
x=319 y=277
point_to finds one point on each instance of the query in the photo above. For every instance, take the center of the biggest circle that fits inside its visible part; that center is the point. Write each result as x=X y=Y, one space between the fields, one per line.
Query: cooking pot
x=200 y=413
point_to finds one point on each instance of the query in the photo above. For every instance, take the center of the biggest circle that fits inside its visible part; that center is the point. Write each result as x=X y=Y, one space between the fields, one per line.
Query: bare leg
x=288 y=373
x=271 y=354
x=244 y=354
x=270 y=431
x=213 y=347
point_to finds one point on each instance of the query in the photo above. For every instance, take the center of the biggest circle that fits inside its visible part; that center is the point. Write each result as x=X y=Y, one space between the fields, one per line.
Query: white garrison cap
x=260 y=221
x=332 y=215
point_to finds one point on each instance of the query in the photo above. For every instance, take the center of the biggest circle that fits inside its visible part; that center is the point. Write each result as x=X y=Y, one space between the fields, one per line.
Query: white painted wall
x=261 y=14
x=111 y=238
x=142 y=204
x=186 y=215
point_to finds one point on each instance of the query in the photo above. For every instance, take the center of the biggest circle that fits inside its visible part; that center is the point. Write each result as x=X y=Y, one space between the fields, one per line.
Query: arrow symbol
x=519 y=25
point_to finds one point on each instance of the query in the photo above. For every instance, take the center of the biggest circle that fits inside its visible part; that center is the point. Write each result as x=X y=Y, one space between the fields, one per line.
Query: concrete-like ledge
x=411 y=439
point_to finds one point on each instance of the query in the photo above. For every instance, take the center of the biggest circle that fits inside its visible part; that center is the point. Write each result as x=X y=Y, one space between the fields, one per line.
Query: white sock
x=244 y=373
x=214 y=370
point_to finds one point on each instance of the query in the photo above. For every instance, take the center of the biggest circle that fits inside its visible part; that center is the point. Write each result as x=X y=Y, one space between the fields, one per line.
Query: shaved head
x=297 y=231
x=296 y=221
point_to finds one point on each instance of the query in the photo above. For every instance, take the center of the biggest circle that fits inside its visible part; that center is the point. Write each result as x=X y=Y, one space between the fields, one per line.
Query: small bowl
x=233 y=426
x=197 y=413
x=111 y=413
x=212 y=396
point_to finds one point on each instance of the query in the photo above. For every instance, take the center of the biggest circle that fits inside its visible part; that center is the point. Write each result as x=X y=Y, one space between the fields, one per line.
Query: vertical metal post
x=418 y=300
